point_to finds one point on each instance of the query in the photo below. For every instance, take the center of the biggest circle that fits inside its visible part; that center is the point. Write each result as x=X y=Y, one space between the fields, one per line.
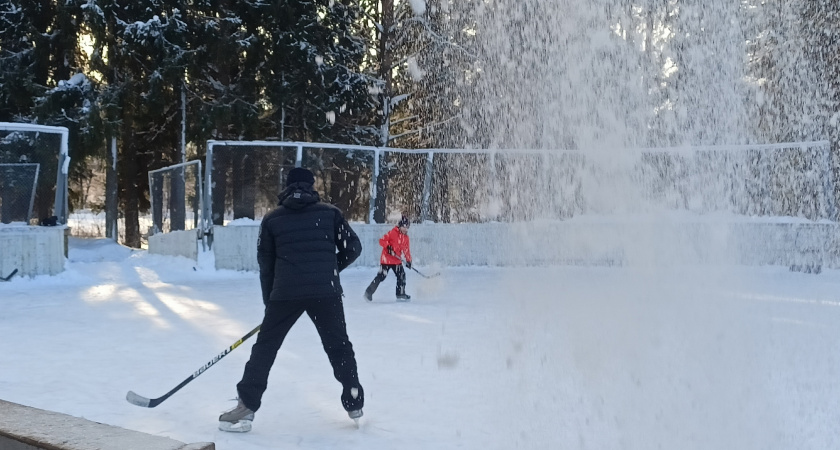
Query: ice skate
x=355 y=414
x=237 y=420
x=369 y=296
x=403 y=298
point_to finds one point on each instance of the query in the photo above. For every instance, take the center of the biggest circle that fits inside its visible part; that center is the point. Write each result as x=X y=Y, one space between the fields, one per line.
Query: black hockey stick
x=10 y=276
x=139 y=400
x=421 y=273
x=425 y=276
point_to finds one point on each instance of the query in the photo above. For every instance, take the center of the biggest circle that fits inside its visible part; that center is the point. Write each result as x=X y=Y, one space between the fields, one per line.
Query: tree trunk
x=177 y=196
x=156 y=193
x=131 y=190
x=379 y=203
x=244 y=185
x=220 y=162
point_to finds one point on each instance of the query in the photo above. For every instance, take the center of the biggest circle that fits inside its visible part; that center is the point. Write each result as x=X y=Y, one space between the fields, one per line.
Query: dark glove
x=391 y=251
x=408 y=264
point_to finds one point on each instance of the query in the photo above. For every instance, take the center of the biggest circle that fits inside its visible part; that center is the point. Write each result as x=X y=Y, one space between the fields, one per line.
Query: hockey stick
x=139 y=400
x=425 y=276
x=421 y=273
x=10 y=276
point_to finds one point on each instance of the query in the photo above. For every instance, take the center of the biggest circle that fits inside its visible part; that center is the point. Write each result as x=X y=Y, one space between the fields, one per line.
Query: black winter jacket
x=302 y=247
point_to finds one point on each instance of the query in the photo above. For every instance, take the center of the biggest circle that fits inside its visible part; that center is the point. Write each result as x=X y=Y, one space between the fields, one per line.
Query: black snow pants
x=383 y=272
x=328 y=317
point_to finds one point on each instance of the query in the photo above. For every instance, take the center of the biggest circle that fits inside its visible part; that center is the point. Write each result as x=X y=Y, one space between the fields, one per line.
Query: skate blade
x=243 y=426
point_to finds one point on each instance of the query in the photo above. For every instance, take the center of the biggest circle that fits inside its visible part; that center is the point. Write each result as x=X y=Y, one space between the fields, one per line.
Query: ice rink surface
x=577 y=357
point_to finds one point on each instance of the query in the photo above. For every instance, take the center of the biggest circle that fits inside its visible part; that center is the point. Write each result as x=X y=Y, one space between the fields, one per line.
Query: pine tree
x=223 y=90
x=24 y=56
x=313 y=80
x=140 y=50
x=41 y=81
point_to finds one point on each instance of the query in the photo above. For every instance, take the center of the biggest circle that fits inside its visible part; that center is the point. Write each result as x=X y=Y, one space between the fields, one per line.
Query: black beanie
x=300 y=175
x=404 y=222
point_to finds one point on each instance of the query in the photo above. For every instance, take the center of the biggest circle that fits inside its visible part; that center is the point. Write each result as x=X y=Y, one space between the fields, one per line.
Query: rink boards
x=580 y=242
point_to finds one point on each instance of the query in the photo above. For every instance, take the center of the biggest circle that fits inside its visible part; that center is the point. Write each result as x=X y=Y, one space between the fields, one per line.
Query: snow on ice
x=498 y=358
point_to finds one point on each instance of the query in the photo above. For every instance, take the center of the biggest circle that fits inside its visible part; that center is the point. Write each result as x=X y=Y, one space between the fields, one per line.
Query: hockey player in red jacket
x=395 y=249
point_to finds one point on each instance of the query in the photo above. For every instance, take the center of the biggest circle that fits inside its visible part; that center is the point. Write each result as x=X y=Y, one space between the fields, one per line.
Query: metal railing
x=176 y=196
x=746 y=179
x=61 y=164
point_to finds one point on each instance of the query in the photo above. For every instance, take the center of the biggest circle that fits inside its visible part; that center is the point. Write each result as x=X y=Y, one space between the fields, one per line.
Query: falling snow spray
x=633 y=130
x=628 y=135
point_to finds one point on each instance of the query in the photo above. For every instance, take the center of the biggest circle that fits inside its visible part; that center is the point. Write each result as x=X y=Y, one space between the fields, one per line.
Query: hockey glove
x=408 y=264
x=391 y=251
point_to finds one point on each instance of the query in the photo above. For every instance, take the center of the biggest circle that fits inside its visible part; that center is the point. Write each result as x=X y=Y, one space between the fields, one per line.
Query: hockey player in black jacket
x=303 y=245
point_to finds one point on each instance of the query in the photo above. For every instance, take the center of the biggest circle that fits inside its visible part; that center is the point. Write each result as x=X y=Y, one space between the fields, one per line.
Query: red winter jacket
x=399 y=243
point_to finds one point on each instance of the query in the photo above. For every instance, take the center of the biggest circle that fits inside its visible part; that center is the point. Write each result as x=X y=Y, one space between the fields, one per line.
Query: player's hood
x=298 y=195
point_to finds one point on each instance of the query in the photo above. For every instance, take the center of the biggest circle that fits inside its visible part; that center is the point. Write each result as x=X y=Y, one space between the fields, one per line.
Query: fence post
x=427 y=187
x=152 y=203
x=828 y=184
x=34 y=190
x=373 y=191
x=62 y=202
x=207 y=213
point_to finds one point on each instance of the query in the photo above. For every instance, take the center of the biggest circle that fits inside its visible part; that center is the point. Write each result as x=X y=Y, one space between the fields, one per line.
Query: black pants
x=328 y=317
x=383 y=272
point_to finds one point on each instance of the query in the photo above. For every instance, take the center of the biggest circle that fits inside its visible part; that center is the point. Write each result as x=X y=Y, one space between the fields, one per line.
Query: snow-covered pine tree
x=24 y=57
x=313 y=78
x=223 y=78
x=139 y=50
x=821 y=28
x=41 y=81
x=315 y=88
x=419 y=51
x=226 y=90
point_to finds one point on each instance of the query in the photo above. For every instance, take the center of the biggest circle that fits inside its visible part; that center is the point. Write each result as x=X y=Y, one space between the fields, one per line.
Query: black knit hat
x=299 y=175
x=404 y=222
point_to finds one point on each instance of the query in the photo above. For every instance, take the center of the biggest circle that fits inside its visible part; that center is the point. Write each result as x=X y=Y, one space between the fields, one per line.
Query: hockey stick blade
x=424 y=275
x=139 y=400
x=10 y=276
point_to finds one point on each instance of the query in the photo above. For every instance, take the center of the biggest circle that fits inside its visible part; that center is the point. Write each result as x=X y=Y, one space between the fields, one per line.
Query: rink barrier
x=32 y=250
x=175 y=243
x=26 y=428
x=580 y=242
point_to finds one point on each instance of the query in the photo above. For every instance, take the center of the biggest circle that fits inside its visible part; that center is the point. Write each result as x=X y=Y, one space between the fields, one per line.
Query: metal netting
x=22 y=143
x=18 y=183
x=772 y=180
x=244 y=180
x=403 y=177
x=176 y=197
x=462 y=185
x=342 y=177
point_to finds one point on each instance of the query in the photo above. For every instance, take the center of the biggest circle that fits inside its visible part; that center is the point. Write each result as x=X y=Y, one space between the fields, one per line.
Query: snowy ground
x=482 y=358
